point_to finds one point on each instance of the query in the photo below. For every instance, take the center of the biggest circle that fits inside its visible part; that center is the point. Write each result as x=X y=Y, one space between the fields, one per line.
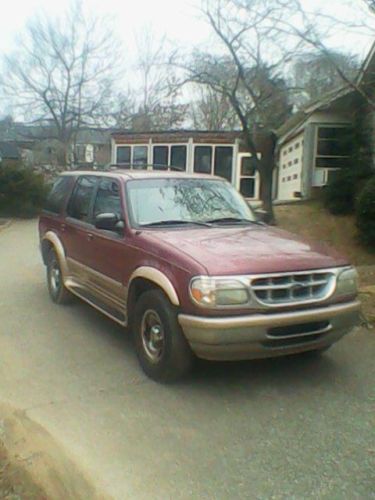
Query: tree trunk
x=266 y=178
x=266 y=144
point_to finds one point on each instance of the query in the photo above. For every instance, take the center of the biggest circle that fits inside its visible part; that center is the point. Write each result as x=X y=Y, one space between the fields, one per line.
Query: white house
x=316 y=142
x=217 y=153
x=313 y=145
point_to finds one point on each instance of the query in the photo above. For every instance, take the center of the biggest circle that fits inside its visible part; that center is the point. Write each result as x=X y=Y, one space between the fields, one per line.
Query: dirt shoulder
x=34 y=466
x=4 y=223
x=15 y=481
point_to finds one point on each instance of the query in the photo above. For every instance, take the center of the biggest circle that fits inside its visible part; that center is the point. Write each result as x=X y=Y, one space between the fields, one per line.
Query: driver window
x=108 y=198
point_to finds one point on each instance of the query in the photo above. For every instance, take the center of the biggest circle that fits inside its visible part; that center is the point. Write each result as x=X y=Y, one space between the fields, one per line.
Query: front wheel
x=161 y=347
x=56 y=288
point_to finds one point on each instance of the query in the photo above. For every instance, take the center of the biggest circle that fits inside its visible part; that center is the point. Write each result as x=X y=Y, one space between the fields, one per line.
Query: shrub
x=22 y=192
x=365 y=212
x=341 y=193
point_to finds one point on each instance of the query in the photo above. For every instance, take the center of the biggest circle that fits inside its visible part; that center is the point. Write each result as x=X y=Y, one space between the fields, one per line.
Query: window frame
x=97 y=187
x=213 y=156
x=318 y=156
x=130 y=166
x=89 y=221
x=256 y=176
x=71 y=183
x=169 y=145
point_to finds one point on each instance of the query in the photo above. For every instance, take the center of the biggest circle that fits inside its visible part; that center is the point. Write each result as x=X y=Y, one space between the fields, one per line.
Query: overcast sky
x=178 y=19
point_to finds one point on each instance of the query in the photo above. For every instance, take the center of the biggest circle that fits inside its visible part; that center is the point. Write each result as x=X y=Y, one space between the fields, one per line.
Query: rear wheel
x=161 y=347
x=56 y=288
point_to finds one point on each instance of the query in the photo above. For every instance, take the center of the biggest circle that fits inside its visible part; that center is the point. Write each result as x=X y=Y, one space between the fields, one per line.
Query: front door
x=107 y=252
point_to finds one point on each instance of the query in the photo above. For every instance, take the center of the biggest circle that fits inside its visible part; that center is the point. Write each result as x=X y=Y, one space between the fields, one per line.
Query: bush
x=365 y=212
x=22 y=192
x=341 y=193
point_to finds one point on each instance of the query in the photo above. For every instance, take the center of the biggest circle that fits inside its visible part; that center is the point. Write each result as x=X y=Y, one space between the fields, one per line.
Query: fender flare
x=159 y=278
x=55 y=241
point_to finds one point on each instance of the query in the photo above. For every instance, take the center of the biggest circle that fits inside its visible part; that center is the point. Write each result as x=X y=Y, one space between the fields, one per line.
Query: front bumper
x=267 y=335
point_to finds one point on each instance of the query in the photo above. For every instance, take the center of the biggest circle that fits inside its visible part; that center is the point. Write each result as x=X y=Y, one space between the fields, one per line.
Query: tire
x=57 y=291
x=161 y=347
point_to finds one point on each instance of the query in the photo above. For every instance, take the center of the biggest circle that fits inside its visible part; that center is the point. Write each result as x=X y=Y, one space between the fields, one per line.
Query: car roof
x=141 y=174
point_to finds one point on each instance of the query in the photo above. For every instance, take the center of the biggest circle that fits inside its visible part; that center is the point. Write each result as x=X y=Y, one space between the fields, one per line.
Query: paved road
x=289 y=428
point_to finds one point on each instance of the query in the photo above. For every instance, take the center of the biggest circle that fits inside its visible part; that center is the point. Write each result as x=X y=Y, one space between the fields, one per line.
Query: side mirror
x=109 y=222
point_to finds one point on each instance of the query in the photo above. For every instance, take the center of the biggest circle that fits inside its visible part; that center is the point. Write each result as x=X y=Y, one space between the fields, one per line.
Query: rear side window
x=79 y=204
x=57 y=196
x=108 y=198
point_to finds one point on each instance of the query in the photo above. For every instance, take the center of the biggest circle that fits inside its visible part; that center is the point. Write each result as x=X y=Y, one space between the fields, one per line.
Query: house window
x=169 y=157
x=123 y=155
x=178 y=158
x=132 y=156
x=295 y=161
x=216 y=160
x=295 y=176
x=333 y=147
x=248 y=177
x=223 y=162
x=160 y=157
x=203 y=159
x=139 y=157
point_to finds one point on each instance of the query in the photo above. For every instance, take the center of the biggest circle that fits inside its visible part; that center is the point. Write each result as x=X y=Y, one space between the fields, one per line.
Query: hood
x=249 y=250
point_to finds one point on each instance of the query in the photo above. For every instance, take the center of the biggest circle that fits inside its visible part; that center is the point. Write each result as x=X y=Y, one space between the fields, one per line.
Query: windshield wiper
x=233 y=220
x=175 y=223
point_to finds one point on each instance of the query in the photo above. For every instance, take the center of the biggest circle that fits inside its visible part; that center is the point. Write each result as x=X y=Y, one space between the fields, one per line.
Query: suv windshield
x=179 y=201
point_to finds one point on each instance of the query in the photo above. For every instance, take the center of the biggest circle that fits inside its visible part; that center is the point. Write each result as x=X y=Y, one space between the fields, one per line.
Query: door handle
x=90 y=236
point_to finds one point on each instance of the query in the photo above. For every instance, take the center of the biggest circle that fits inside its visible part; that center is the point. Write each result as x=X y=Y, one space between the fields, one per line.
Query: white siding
x=290 y=168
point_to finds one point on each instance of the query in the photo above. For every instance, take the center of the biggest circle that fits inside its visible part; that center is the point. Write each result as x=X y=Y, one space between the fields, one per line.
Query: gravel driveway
x=285 y=428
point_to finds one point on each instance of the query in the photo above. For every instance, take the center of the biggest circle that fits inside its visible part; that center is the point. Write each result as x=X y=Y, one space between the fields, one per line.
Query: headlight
x=347 y=283
x=213 y=292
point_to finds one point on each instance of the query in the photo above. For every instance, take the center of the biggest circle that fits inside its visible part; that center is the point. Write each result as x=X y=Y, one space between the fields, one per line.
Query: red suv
x=182 y=261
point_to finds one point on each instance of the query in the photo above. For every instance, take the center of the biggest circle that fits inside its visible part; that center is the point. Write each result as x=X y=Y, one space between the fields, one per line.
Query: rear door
x=78 y=227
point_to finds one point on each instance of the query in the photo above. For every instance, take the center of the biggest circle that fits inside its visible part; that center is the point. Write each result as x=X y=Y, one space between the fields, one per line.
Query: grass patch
x=311 y=220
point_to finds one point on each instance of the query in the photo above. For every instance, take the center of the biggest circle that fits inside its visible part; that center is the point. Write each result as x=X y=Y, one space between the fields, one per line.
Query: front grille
x=289 y=342
x=299 y=330
x=292 y=288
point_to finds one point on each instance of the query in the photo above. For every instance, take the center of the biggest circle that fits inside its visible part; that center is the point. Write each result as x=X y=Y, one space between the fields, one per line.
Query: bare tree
x=152 y=102
x=313 y=74
x=211 y=110
x=62 y=73
x=314 y=29
x=247 y=73
x=371 y=5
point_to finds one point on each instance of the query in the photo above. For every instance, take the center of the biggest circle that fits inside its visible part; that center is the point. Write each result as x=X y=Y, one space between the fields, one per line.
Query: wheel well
x=46 y=246
x=137 y=288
